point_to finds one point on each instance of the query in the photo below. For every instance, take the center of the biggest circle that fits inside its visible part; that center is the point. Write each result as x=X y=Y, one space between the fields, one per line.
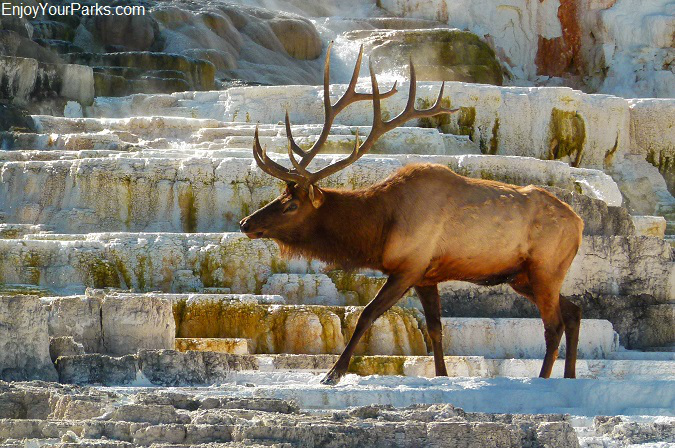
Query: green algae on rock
x=568 y=135
x=199 y=73
x=24 y=290
x=439 y=54
x=298 y=329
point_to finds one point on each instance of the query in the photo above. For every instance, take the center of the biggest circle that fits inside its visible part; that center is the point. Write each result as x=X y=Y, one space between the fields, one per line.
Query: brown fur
x=342 y=242
x=424 y=225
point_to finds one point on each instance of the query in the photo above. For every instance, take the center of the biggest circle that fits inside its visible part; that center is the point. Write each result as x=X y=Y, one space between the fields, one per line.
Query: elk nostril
x=243 y=225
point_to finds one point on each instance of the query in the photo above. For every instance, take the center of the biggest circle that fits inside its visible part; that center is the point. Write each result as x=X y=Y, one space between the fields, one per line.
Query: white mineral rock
x=24 y=340
x=127 y=326
x=521 y=338
x=650 y=225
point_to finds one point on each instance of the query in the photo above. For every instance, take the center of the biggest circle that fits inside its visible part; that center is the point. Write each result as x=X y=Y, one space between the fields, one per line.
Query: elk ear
x=316 y=196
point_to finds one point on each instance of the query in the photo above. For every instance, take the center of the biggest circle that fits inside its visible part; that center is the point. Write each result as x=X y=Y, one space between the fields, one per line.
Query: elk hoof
x=332 y=378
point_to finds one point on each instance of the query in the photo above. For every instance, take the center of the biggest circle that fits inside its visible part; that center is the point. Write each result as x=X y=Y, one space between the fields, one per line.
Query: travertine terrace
x=134 y=313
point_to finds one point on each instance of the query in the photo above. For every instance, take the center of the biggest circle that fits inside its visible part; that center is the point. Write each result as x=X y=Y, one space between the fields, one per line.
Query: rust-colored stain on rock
x=559 y=56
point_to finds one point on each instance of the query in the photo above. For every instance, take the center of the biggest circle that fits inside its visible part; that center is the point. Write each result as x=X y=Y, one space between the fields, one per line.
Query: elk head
x=288 y=214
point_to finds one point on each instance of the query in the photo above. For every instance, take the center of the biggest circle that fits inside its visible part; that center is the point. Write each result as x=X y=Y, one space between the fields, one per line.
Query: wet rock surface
x=158 y=48
x=27 y=80
x=438 y=55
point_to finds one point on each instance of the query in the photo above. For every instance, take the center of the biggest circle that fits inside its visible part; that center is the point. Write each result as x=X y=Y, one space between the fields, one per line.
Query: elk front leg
x=386 y=297
x=431 y=302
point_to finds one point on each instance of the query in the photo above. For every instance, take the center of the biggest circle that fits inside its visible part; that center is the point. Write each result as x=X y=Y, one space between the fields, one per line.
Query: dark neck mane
x=348 y=231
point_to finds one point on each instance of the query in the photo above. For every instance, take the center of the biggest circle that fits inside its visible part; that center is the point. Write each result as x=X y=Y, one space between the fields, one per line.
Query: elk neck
x=348 y=230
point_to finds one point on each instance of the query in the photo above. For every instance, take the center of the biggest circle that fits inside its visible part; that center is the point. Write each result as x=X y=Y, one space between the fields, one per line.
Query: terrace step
x=157 y=125
x=324 y=329
x=157 y=132
x=168 y=367
x=102 y=141
x=213 y=193
x=521 y=338
x=13 y=231
x=234 y=346
x=486 y=115
x=505 y=338
x=402 y=141
x=579 y=397
x=650 y=353
x=180 y=262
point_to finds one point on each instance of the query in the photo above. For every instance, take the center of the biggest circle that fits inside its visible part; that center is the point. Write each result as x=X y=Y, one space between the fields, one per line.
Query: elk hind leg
x=386 y=297
x=548 y=303
x=553 y=330
x=547 y=299
x=431 y=302
x=571 y=315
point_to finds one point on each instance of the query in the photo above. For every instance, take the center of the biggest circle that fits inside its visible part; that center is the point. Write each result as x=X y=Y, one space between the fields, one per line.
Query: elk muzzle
x=246 y=228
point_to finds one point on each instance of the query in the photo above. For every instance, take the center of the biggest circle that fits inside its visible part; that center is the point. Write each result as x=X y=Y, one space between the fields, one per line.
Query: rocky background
x=126 y=164
x=595 y=46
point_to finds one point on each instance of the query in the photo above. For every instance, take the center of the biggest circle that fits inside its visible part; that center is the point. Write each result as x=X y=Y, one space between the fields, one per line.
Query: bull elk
x=421 y=226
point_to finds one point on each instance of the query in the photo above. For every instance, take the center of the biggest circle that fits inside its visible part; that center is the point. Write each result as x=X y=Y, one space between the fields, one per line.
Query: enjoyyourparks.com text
x=71 y=9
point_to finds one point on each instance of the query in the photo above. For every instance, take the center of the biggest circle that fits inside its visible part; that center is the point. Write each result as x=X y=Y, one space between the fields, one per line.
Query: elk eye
x=291 y=208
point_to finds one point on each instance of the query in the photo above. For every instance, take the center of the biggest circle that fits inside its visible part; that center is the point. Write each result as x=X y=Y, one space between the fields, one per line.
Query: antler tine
x=401 y=118
x=378 y=127
x=327 y=107
x=340 y=164
x=299 y=168
x=410 y=112
x=438 y=106
x=350 y=96
x=300 y=174
x=270 y=166
x=377 y=109
x=381 y=127
x=289 y=135
x=329 y=110
x=350 y=93
x=412 y=90
x=440 y=96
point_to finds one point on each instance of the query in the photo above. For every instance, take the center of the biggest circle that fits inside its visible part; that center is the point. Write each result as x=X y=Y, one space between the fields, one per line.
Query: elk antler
x=270 y=166
x=330 y=111
x=299 y=174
